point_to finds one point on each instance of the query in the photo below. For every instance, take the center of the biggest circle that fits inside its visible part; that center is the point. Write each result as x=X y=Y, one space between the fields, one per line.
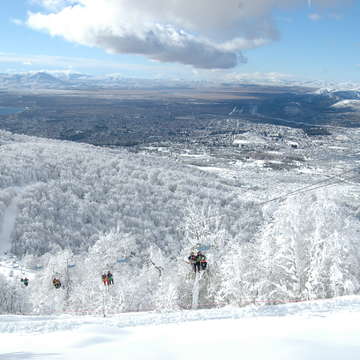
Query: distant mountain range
x=68 y=80
x=72 y=80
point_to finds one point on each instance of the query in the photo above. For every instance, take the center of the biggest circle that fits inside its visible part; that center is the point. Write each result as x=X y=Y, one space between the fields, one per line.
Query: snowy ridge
x=354 y=104
x=67 y=79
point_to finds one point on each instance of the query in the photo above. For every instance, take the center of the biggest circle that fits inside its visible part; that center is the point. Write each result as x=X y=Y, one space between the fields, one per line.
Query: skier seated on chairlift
x=25 y=281
x=105 y=279
x=110 y=278
x=198 y=261
x=56 y=283
x=202 y=260
x=193 y=261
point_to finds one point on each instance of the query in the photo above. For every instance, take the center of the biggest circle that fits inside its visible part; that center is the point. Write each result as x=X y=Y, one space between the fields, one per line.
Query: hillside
x=71 y=193
x=74 y=211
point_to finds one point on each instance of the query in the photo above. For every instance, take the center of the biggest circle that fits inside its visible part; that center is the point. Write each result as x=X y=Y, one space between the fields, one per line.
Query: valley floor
x=323 y=329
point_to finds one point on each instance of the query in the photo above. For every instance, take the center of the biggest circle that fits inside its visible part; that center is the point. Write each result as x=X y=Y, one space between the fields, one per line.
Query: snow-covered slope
x=276 y=234
x=352 y=104
x=327 y=329
x=68 y=200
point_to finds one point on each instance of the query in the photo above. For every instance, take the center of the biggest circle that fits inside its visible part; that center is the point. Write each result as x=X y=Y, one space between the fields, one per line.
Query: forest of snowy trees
x=82 y=211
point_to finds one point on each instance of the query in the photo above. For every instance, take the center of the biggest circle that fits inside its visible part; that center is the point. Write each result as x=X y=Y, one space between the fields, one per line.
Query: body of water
x=9 y=110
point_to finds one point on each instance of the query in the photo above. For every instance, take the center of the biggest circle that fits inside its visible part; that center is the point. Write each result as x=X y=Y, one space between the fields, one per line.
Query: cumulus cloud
x=202 y=33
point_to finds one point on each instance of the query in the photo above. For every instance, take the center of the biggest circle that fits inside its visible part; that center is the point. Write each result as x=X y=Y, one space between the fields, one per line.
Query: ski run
x=322 y=329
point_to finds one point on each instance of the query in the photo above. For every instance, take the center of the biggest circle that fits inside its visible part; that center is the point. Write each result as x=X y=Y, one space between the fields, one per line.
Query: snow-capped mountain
x=31 y=81
x=52 y=79
x=71 y=80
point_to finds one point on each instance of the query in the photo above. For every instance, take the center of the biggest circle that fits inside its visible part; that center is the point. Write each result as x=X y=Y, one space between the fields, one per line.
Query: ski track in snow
x=8 y=222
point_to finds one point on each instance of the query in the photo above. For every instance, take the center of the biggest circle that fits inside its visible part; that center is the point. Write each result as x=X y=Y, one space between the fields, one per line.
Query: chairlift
x=56 y=276
x=126 y=259
x=107 y=278
x=198 y=264
x=122 y=260
x=57 y=283
x=25 y=281
x=37 y=267
x=200 y=247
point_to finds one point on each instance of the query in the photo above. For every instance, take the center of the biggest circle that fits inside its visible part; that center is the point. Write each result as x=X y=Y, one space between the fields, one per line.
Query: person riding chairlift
x=110 y=278
x=202 y=259
x=25 y=281
x=105 y=279
x=193 y=261
x=198 y=261
x=56 y=283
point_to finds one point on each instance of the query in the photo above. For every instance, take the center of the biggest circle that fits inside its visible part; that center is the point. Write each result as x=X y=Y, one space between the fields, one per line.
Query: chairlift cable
x=313 y=186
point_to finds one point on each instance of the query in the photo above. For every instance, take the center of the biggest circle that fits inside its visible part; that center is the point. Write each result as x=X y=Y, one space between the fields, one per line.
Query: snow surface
x=248 y=138
x=7 y=223
x=323 y=329
x=10 y=267
x=355 y=104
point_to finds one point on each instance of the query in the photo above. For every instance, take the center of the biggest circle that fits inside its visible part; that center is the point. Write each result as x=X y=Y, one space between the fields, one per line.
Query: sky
x=184 y=39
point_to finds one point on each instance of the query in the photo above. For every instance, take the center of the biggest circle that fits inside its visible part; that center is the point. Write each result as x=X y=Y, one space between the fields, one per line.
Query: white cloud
x=336 y=16
x=203 y=33
x=17 y=21
x=54 y=4
x=314 y=17
x=331 y=16
x=66 y=62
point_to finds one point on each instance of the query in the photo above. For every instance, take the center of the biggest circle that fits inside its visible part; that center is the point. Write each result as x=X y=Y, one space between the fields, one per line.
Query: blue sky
x=312 y=43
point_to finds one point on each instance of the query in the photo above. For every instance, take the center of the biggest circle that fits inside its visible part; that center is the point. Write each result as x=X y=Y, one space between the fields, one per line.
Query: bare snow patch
x=248 y=139
x=355 y=104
